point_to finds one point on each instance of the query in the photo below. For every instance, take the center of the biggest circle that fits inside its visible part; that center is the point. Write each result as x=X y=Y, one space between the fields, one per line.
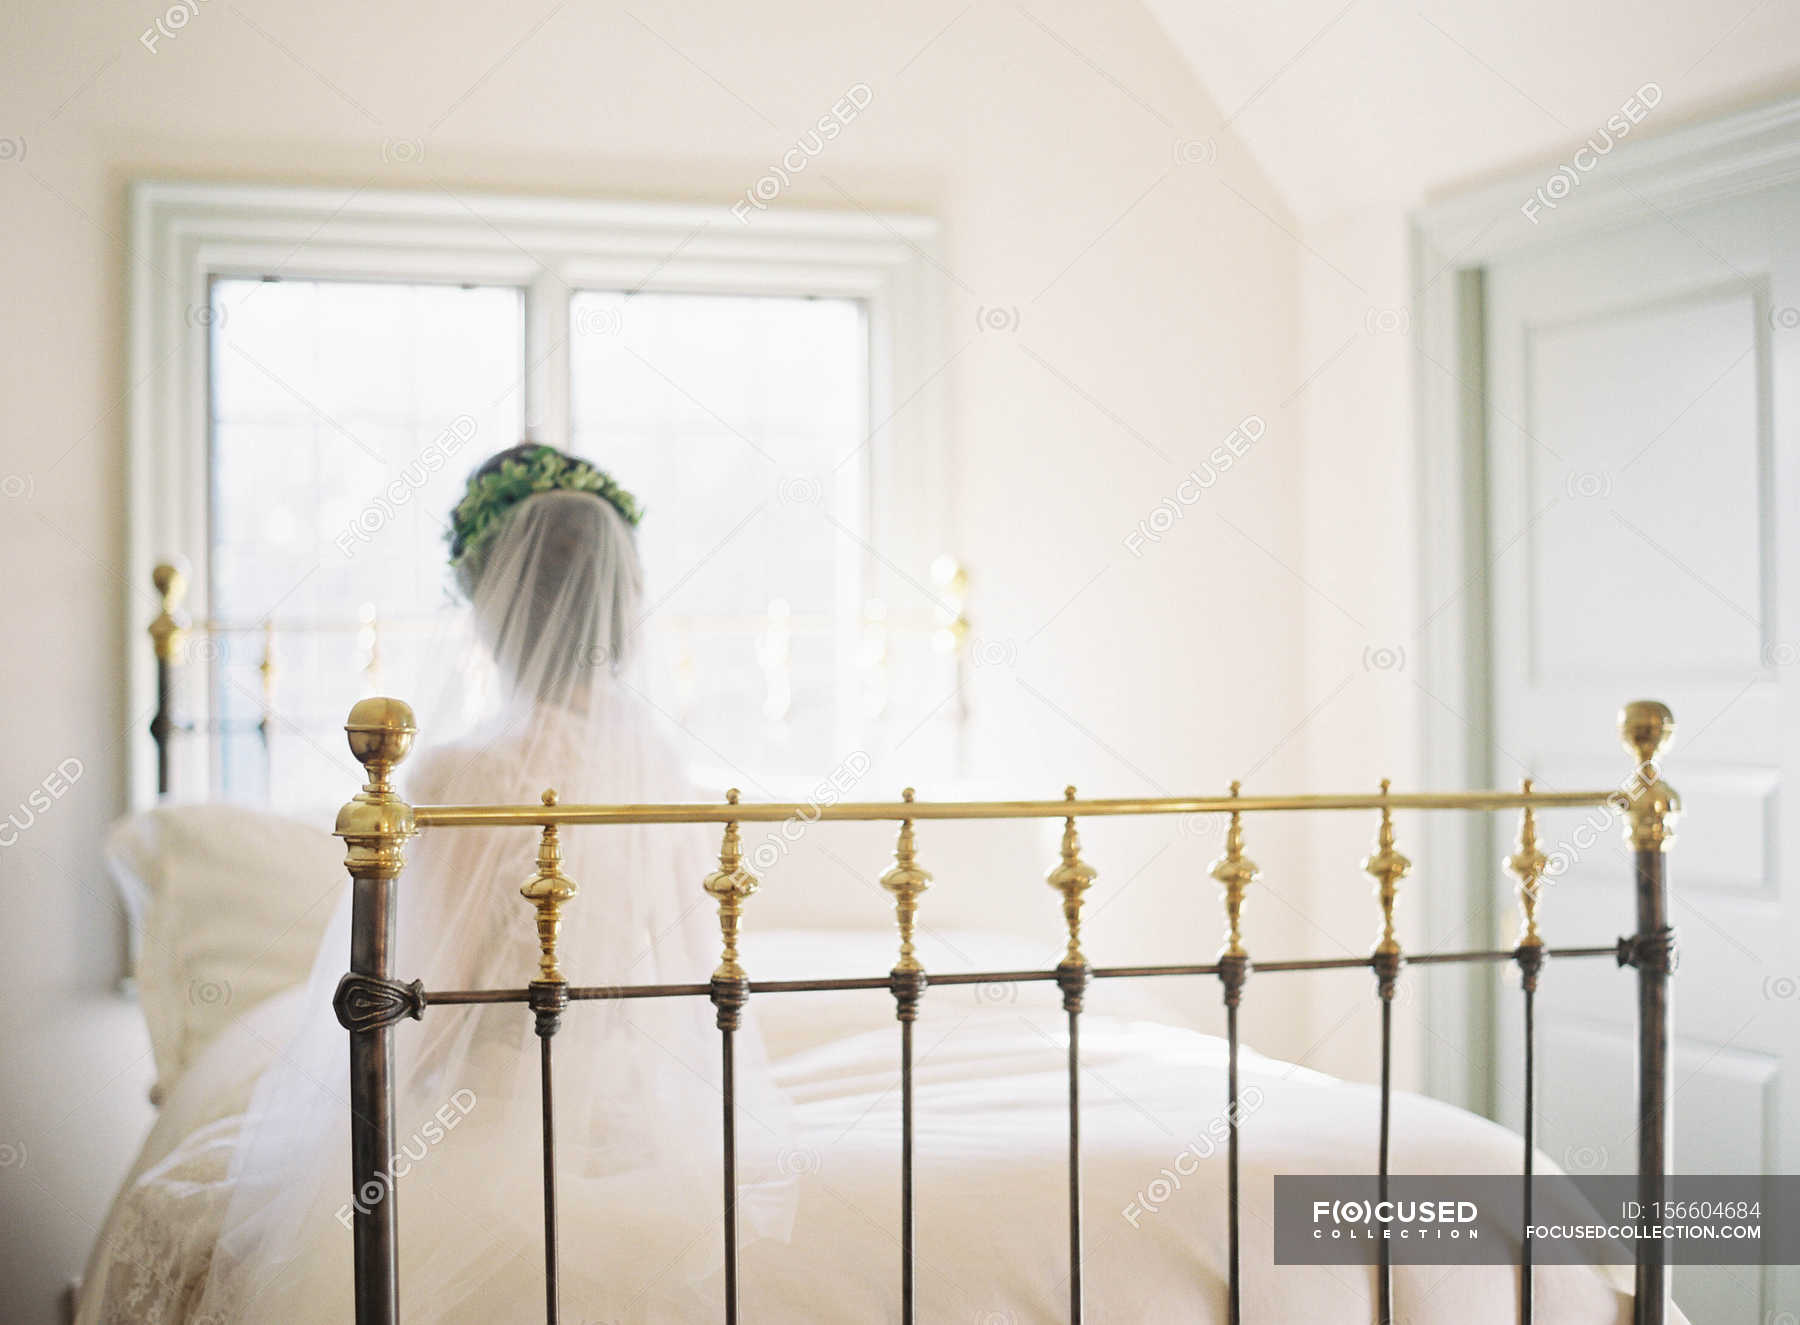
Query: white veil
x=541 y=692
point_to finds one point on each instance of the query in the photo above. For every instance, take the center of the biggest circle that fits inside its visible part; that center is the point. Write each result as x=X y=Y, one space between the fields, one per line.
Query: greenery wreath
x=492 y=494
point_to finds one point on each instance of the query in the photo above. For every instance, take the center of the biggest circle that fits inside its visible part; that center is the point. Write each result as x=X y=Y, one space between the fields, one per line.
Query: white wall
x=1361 y=508
x=1156 y=292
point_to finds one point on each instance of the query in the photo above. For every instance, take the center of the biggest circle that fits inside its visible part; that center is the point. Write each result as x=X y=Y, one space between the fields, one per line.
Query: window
x=324 y=393
x=322 y=371
x=737 y=421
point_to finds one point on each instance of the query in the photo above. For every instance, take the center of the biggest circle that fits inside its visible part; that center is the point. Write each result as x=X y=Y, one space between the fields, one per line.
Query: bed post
x=375 y=826
x=1651 y=808
x=1235 y=872
x=168 y=635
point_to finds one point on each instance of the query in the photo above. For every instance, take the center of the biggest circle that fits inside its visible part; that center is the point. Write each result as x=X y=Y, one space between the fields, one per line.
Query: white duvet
x=991 y=1183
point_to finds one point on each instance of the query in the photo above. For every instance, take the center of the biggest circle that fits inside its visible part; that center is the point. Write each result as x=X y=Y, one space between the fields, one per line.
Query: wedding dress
x=249 y=1220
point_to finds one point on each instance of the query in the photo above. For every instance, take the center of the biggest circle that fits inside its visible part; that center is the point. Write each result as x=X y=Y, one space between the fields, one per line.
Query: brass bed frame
x=372 y=998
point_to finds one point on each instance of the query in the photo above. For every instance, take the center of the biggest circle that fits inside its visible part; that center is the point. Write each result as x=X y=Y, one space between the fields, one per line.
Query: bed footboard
x=376 y=826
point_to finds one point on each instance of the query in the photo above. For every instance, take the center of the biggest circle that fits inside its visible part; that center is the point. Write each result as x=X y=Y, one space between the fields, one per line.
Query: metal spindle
x=375 y=826
x=1072 y=876
x=906 y=881
x=730 y=886
x=1652 y=808
x=168 y=636
x=1528 y=863
x=1388 y=867
x=728 y=1154
x=1235 y=872
x=548 y=890
x=552 y=1312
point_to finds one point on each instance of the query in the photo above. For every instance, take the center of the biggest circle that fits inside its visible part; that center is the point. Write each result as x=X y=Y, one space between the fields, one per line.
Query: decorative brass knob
x=906 y=881
x=1528 y=864
x=1651 y=805
x=730 y=886
x=1387 y=866
x=1235 y=872
x=375 y=823
x=1072 y=876
x=168 y=632
x=548 y=890
x=381 y=732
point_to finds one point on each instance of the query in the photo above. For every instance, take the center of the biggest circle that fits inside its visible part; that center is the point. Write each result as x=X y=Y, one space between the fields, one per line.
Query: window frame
x=187 y=234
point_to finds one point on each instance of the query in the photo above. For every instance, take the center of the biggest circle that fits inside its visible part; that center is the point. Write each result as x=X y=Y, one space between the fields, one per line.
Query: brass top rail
x=524 y=816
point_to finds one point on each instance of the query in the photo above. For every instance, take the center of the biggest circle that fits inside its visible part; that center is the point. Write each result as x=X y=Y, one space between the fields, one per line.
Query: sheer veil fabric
x=539 y=689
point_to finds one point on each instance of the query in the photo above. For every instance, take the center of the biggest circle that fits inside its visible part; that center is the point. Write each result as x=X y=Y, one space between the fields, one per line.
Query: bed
x=1030 y=1142
x=991 y=1147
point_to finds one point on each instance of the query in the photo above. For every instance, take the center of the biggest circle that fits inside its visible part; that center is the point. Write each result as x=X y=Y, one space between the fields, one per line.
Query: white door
x=1643 y=395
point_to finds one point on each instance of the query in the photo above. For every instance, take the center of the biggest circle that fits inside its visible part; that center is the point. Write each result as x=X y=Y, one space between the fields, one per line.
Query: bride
x=249 y=1219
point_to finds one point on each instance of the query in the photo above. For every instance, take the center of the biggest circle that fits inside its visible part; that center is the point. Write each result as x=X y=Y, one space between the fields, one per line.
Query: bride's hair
x=543 y=548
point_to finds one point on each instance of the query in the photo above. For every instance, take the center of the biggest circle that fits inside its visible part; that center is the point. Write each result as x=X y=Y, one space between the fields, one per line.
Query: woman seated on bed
x=249 y=1220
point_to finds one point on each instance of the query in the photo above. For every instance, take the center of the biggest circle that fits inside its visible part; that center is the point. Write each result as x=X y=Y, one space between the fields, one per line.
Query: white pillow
x=228 y=906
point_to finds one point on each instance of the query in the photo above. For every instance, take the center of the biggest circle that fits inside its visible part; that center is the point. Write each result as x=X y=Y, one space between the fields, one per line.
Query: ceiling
x=1371 y=103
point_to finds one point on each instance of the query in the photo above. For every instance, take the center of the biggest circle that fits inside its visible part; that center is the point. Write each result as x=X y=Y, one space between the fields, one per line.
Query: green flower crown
x=490 y=496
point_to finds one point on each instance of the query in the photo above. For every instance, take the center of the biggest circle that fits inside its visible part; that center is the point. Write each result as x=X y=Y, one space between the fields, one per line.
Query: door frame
x=1452 y=241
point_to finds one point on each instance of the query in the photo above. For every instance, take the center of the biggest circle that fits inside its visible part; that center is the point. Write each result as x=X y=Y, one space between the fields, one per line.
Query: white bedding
x=991 y=1183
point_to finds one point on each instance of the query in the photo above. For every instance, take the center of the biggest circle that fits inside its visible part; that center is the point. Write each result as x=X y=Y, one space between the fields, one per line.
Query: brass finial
x=266 y=668
x=1650 y=804
x=1388 y=867
x=381 y=733
x=1235 y=872
x=376 y=822
x=1528 y=864
x=168 y=633
x=906 y=881
x=547 y=890
x=953 y=620
x=730 y=885
x=1071 y=877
